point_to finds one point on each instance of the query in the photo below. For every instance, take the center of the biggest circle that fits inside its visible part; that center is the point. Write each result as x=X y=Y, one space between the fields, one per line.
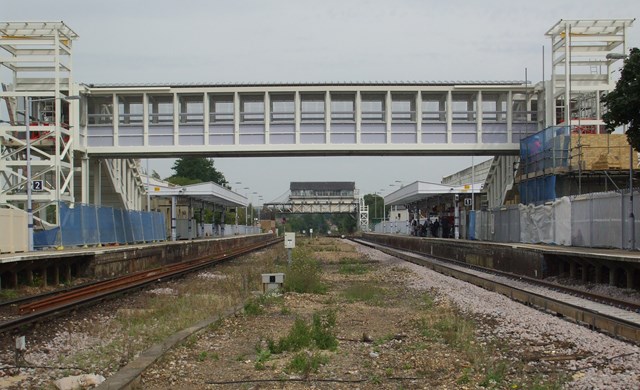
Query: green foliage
x=428 y=301
x=195 y=168
x=464 y=377
x=495 y=375
x=263 y=356
x=321 y=223
x=202 y=356
x=623 y=103
x=322 y=328
x=304 y=274
x=6 y=295
x=376 y=207
x=299 y=337
x=306 y=363
x=253 y=307
x=364 y=292
x=349 y=266
x=302 y=335
x=182 y=181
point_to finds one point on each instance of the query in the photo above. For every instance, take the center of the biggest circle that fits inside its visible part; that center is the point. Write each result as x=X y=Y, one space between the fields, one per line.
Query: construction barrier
x=15 y=229
x=89 y=225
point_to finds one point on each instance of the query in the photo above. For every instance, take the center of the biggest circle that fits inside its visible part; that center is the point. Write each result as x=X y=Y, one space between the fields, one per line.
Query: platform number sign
x=467 y=201
x=37 y=185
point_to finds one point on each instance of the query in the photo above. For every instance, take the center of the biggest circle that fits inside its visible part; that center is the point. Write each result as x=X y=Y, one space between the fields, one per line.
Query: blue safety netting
x=158 y=226
x=545 y=149
x=95 y=225
x=472 y=225
x=538 y=190
x=107 y=225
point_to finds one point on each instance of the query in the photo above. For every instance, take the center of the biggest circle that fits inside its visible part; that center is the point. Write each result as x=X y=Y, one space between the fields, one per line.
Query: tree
x=623 y=103
x=376 y=206
x=191 y=170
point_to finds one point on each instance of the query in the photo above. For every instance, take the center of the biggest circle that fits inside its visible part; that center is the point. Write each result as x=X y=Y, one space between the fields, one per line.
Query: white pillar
x=173 y=218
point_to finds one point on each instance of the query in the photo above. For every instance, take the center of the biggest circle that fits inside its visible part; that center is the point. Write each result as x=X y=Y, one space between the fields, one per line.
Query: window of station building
x=312 y=107
x=191 y=109
x=252 y=108
x=373 y=107
x=343 y=107
x=282 y=108
x=100 y=110
x=403 y=108
x=464 y=106
x=130 y=110
x=220 y=109
x=434 y=107
x=494 y=107
x=160 y=110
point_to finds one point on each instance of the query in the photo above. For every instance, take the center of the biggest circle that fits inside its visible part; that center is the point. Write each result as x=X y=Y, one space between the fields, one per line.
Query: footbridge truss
x=410 y=118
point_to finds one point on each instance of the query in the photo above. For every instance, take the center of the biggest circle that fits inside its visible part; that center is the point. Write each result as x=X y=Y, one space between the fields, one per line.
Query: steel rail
x=615 y=326
x=61 y=303
x=619 y=303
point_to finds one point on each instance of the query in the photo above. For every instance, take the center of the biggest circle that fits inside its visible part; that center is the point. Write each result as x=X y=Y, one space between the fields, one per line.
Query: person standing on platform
x=434 y=228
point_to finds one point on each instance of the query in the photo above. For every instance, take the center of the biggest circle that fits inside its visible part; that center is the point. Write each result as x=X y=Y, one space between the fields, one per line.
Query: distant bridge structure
x=323 y=198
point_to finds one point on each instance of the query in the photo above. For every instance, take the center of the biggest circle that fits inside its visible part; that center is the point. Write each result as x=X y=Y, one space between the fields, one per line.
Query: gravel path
x=607 y=364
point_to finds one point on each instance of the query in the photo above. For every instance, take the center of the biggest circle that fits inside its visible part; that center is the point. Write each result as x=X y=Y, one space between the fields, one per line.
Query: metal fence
x=592 y=220
x=88 y=225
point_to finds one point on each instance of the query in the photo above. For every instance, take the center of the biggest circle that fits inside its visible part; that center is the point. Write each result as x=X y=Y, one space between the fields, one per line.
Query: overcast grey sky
x=323 y=40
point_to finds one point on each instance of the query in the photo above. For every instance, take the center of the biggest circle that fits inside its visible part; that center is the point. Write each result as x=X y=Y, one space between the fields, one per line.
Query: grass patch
x=262 y=357
x=365 y=292
x=6 y=295
x=304 y=274
x=350 y=266
x=445 y=324
x=305 y=363
x=495 y=375
x=255 y=306
x=204 y=355
x=319 y=334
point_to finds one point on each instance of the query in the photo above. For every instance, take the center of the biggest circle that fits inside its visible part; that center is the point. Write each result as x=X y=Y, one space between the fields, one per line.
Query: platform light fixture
x=27 y=120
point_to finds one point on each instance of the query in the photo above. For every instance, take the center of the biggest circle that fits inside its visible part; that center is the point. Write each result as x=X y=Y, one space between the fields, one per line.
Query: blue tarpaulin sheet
x=93 y=225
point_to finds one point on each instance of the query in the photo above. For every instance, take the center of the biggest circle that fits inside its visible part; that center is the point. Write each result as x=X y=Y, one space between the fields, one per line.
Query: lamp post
x=246 y=194
x=253 y=223
x=261 y=200
x=621 y=56
x=238 y=183
x=27 y=120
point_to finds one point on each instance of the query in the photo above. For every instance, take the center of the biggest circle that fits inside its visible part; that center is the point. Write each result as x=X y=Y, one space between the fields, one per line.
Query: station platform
x=62 y=266
x=596 y=265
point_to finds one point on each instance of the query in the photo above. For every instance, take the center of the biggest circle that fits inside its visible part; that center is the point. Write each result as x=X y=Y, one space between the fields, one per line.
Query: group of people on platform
x=433 y=227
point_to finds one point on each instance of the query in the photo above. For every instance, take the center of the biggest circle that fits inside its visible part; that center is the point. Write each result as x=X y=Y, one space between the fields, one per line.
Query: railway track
x=33 y=309
x=616 y=317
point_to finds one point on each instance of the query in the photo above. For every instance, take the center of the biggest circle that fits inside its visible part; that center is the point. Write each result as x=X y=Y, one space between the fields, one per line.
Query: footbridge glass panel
x=221 y=119
x=312 y=118
x=161 y=129
x=282 y=128
x=434 y=117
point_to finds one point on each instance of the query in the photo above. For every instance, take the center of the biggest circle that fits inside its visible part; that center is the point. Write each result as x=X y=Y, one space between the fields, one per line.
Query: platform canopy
x=208 y=192
x=421 y=190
